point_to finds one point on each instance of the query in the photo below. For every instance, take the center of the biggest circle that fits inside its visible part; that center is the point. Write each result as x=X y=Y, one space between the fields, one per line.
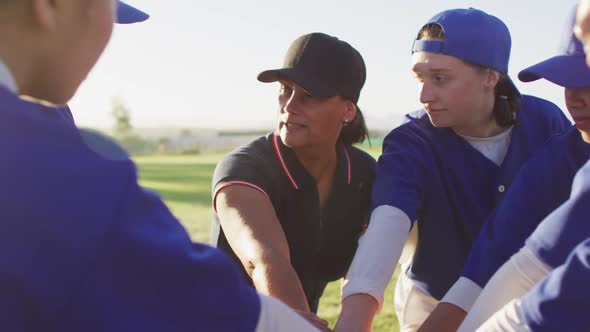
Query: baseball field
x=184 y=182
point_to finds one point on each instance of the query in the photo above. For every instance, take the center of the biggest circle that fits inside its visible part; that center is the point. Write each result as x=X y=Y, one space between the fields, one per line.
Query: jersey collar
x=297 y=174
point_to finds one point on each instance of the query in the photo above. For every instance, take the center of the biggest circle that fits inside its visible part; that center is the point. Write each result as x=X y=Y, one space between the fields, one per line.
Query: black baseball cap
x=323 y=65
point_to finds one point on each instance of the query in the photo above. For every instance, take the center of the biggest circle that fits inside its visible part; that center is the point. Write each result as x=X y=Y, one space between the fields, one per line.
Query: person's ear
x=492 y=78
x=45 y=12
x=350 y=112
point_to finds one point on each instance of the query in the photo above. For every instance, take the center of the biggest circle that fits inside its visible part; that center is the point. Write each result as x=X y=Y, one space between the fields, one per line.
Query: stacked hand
x=316 y=321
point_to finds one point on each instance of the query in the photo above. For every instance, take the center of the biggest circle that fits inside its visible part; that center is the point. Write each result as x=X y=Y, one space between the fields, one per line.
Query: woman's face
x=454 y=94
x=578 y=105
x=306 y=121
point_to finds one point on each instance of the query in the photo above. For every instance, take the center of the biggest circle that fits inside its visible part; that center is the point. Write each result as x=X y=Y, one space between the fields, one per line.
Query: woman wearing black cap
x=291 y=206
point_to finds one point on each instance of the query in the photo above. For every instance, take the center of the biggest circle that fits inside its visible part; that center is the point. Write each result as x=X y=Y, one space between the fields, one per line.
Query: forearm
x=358 y=312
x=276 y=316
x=276 y=277
x=507 y=319
x=256 y=236
x=378 y=254
x=445 y=317
x=450 y=312
x=516 y=277
x=372 y=268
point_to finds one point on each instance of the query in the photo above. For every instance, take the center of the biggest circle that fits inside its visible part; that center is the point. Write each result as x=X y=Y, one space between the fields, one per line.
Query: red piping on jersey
x=239 y=183
x=348 y=163
x=275 y=141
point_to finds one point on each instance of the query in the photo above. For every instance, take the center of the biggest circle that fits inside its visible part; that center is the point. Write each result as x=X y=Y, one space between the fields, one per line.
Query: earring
x=346 y=122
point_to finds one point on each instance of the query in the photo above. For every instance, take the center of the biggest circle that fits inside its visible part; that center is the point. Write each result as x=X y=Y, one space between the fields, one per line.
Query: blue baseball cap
x=127 y=14
x=471 y=35
x=568 y=69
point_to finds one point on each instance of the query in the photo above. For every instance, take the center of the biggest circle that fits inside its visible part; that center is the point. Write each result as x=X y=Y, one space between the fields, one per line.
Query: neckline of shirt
x=500 y=136
x=296 y=173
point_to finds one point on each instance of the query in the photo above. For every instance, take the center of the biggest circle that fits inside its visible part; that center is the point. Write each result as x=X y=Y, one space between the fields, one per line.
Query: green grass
x=184 y=182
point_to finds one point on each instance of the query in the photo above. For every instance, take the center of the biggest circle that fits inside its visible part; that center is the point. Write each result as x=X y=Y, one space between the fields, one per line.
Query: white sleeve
x=275 y=316
x=462 y=294
x=517 y=276
x=507 y=319
x=378 y=252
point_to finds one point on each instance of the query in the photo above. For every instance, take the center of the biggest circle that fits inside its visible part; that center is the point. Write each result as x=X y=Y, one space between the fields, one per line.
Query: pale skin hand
x=445 y=317
x=358 y=312
x=321 y=324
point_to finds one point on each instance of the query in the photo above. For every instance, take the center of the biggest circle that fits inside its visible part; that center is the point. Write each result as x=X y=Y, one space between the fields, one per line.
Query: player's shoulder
x=412 y=125
x=582 y=180
x=102 y=145
x=540 y=108
x=361 y=161
x=358 y=154
x=259 y=151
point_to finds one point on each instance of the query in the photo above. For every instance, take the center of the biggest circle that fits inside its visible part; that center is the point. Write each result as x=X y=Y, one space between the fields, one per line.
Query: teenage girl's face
x=454 y=94
x=578 y=105
x=306 y=121
x=82 y=33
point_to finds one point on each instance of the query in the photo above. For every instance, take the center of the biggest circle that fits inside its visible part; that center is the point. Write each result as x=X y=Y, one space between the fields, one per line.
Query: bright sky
x=194 y=63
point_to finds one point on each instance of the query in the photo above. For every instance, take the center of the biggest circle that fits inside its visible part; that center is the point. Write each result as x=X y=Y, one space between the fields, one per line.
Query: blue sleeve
x=84 y=248
x=400 y=172
x=149 y=276
x=561 y=302
x=564 y=228
x=111 y=262
x=540 y=187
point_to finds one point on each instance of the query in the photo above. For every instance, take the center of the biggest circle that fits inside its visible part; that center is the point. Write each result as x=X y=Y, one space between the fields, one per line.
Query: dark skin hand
x=446 y=317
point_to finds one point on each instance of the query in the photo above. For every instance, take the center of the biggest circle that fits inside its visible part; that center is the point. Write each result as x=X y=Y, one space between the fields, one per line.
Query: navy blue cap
x=323 y=65
x=568 y=69
x=127 y=14
x=471 y=35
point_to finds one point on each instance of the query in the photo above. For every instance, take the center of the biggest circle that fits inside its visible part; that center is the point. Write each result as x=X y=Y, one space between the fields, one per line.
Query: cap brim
x=307 y=82
x=569 y=71
x=127 y=14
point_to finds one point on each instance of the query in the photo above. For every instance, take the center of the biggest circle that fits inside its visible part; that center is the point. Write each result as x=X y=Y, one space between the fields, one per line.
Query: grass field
x=185 y=184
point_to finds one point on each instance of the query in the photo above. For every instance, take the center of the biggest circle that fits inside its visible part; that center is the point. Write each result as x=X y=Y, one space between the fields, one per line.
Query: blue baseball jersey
x=84 y=248
x=561 y=302
x=541 y=186
x=440 y=180
x=66 y=113
x=564 y=228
